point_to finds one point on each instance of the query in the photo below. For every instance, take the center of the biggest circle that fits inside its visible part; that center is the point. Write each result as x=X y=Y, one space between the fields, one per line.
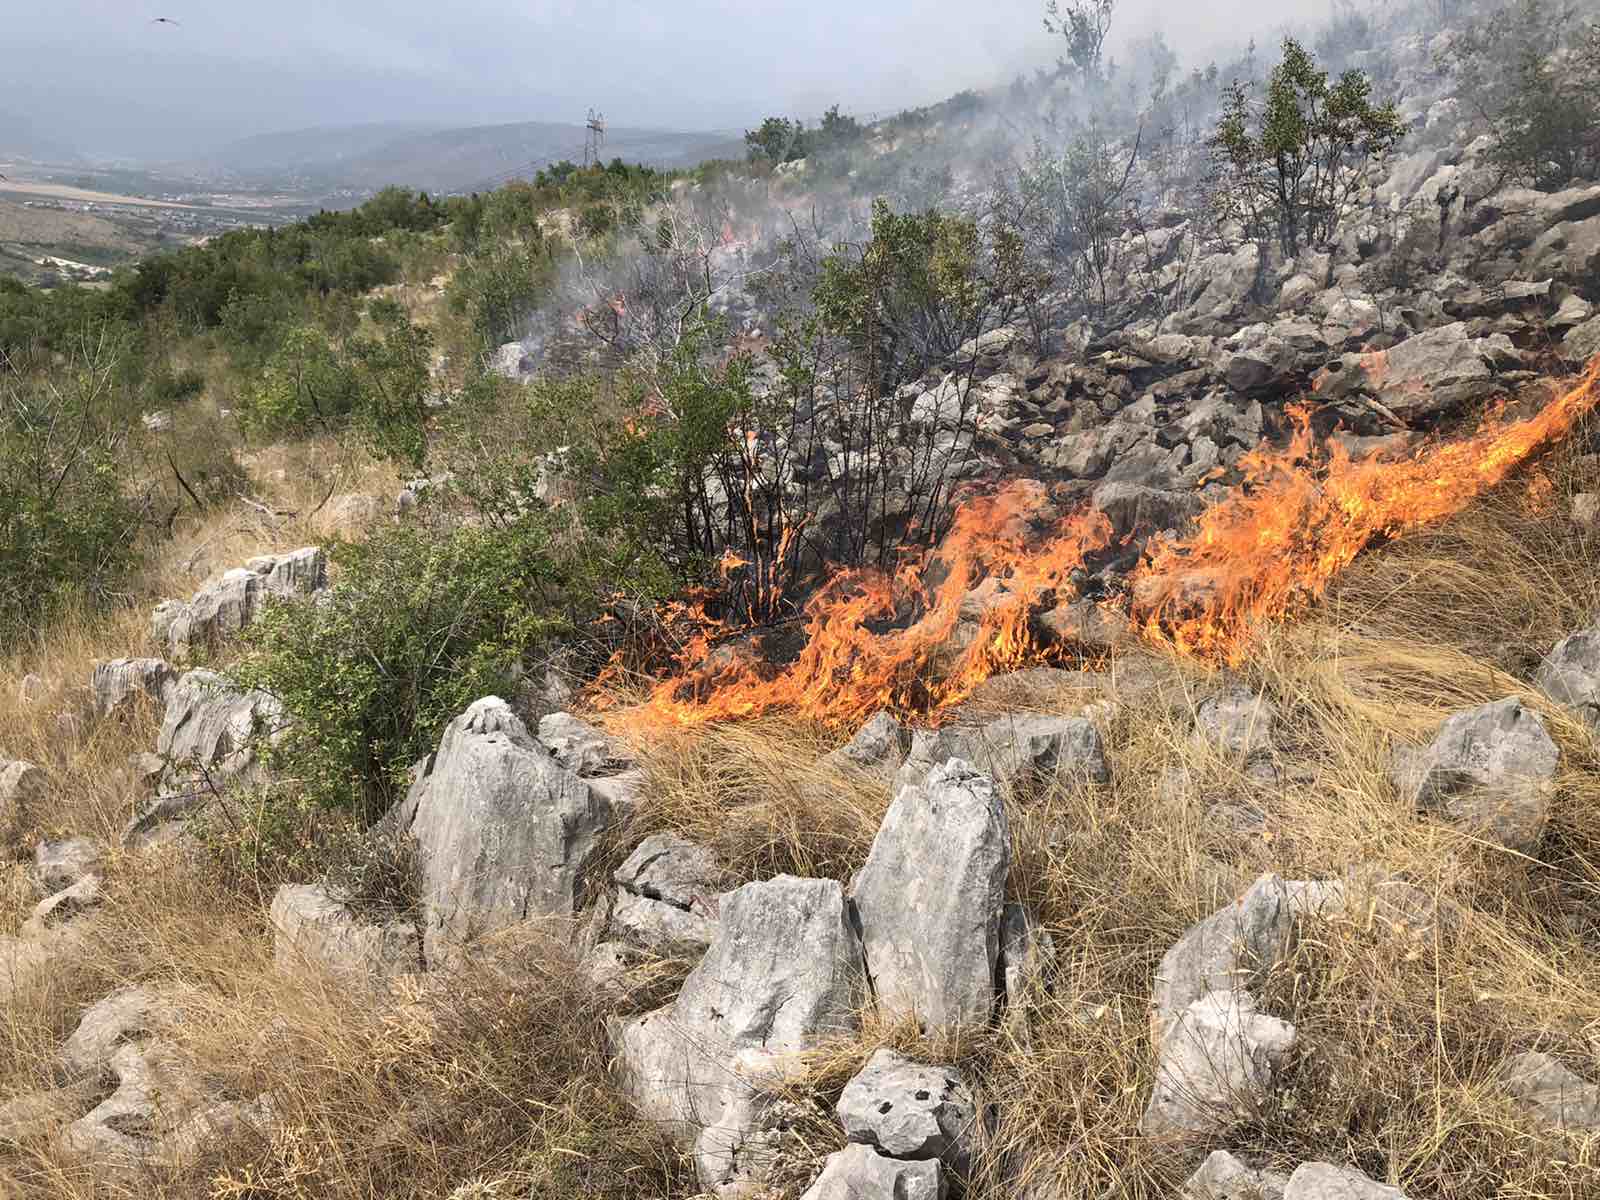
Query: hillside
x=1043 y=648
x=366 y=158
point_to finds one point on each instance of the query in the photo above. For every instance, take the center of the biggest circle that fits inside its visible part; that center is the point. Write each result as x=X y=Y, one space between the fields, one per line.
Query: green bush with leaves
x=379 y=381
x=776 y=140
x=1293 y=163
x=419 y=623
x=69 y=518
x=924 y=284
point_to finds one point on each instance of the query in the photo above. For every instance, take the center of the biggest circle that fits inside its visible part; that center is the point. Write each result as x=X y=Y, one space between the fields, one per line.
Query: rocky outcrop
x=1238 y=723
x=225 y=606
x=1324 y=1181
x=1570 y=673
x=928 y=900
x=22 y=786
x=123 y=684
x=1217 y=1063
x=669 y=895
x=1228 y=951
x=911 y=1111
x=57 y=865
x=856 y=1172
x=577 y=745
x=1552 y=1094
x=1489 y=769
x=782 y=974
x=1431 y=373
x=160 y=1109
x=1016 y=749
x=505 y=834
x=878 y=748
x=212 y=734
x=1224 y=1177
x=317 y=929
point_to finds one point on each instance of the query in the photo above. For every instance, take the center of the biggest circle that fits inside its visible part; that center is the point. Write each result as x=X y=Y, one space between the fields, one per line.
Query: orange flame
x=923 y=638
x=1302 y=517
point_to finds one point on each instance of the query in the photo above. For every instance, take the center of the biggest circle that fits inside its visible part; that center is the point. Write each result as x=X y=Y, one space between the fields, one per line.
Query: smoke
x=98 y=74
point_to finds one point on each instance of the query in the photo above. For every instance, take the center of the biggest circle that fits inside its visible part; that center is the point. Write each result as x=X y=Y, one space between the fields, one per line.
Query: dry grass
x=493 y=1082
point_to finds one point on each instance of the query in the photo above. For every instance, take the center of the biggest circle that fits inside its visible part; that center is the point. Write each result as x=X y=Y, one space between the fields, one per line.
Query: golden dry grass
x=493 y=1082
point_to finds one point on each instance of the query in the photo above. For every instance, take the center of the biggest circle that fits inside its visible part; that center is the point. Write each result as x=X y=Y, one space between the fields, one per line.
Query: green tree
x=1297 y=160
x=306 y=384
x=68 y=522
x=1084 y=24
x=778 y=140
x=393 y=380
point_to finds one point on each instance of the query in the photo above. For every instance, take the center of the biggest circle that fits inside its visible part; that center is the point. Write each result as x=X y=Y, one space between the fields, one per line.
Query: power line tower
x=596 y=139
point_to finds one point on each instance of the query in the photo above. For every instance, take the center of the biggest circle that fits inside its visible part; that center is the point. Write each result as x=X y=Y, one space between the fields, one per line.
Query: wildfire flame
x=905 y=641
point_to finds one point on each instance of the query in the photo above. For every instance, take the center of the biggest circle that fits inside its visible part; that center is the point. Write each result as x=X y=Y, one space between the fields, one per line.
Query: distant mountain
x=299 y=149
x=368 y=157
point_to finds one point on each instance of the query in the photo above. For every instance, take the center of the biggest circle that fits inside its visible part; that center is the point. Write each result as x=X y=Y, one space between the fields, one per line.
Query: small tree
x=778 y=140
x=1085 y=25
x=1300 y=158
x=1078 y=203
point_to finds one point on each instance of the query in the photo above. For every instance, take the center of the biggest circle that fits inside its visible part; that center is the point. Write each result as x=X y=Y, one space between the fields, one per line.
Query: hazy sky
x=100 y=75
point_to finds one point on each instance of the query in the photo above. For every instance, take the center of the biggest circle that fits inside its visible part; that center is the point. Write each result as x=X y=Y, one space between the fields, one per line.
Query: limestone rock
x=1551 y=1093
x=1489 y=769
x=1324 y=1181
x=857 y=1173
x=1134 y=508
x=57 y=865
x=1217 y=1061
x=669 y=899
x=123 y=683
x=1570 y=674
x=879 y=747
x=1027 y=953
x=313 y=927
x=36 y=1115
x=126 y=1015
x=576 y=745
x=505 y=834
x=22 y=786
x=620 y=794
x=211 y=724
x=65 y=905
x=909 y=1110
x=929 y=898
x=1224 y=1177
x=1232 y=947
x=671 y=868
x=661 y=928
x=225 y=606
x=1238 y=723
x=156 y=1094
x=1012 y=749
x=782 y=973
x=1427 y=374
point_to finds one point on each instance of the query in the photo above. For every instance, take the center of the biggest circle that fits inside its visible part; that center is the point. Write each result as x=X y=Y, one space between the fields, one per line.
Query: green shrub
x=70 y=519
x=419 y=623
x=380 y=382
x=1296 y=161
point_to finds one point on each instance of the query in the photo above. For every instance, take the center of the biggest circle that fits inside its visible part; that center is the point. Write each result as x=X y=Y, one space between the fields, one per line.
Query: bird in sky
x=162 y=21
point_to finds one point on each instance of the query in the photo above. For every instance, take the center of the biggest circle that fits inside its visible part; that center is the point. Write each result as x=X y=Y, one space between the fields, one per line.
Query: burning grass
x=1300 y=516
